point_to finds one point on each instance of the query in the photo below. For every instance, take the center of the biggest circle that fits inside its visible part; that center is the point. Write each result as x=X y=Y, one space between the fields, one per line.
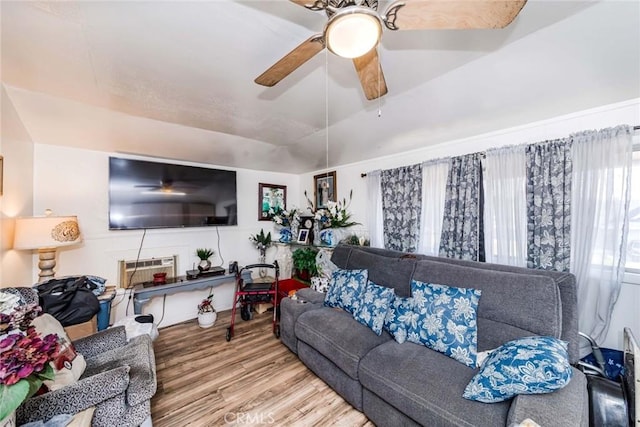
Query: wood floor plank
x=203 y=380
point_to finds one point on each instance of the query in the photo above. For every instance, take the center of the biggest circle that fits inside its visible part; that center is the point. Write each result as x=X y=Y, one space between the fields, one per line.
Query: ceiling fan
x=166 y=186
x=354 y=29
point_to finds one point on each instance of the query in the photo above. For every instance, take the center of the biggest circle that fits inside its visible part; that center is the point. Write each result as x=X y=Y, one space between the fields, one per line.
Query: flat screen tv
x=145 y=194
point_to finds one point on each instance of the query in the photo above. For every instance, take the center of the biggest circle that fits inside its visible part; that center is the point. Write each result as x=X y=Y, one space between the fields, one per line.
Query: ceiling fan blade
x=291 y=61
x=310 y=4
x=451 y=14
x=370 y=75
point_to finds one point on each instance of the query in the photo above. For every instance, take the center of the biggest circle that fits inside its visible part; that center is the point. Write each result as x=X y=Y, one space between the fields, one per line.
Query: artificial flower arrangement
x=285 y=217
x=24 y=357
x=206 y=306
x=335 y=214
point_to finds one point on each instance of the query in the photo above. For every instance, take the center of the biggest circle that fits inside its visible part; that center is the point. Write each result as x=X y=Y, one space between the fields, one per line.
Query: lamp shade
x=353 y=31
x=46 y=232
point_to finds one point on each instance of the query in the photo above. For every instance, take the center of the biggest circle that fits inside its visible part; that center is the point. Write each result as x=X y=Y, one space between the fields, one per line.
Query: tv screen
x=145 y=194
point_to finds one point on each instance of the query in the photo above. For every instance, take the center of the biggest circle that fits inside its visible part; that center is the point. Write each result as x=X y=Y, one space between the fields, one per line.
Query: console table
x=143 y=292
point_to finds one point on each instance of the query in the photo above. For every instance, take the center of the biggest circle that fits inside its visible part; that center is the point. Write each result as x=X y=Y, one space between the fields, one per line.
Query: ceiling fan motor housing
x=333 y=6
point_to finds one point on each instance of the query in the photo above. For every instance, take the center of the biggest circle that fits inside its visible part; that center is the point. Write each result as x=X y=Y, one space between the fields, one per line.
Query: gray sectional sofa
x=409 y=384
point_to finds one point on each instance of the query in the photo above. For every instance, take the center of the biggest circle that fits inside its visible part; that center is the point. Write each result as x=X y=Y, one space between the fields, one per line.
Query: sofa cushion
x=338 y=336
x=513 y=304
x=345 y=289
x=427 y=386
x=386 y=268
x=447 y=320
x=533 y=365
x=374 y=306
x=400 y=318
x=565 y=281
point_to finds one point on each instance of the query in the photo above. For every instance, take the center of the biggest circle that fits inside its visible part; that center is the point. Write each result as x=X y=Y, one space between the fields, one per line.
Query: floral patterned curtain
x=401 y=207
x=461 y=223
x=549 y=168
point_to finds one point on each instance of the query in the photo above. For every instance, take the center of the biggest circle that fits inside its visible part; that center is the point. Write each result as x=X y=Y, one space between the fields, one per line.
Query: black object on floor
x=144 y=318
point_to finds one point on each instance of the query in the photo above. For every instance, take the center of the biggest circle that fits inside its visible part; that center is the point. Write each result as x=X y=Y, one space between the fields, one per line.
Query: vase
x=204 y=265
x=295 y=226
x=332 y=236
x=285 y=260
x=285 y=235
x=316 y=233
x=207 y=319
x=328 y=237
x=261 y=260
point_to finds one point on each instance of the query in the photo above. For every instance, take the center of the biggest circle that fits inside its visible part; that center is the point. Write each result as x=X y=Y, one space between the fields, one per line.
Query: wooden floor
x=203 y=380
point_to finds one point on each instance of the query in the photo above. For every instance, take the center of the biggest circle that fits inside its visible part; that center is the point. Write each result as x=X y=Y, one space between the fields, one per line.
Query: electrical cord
x=135 y=269
x=164 y=300
x=219 y=251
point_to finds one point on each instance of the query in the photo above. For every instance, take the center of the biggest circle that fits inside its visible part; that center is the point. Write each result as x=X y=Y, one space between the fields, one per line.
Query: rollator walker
x=254 y=291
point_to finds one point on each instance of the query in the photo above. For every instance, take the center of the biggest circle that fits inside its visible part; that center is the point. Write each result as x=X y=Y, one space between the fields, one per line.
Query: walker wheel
x=228 y=334
x=277 y=332
x=245 y=312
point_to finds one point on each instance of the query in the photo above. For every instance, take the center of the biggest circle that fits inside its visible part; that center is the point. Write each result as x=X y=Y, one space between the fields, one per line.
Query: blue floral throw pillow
x=400 y=318
x=346 y=288
x=533 y=365
x=447 y=320
x=374 y=306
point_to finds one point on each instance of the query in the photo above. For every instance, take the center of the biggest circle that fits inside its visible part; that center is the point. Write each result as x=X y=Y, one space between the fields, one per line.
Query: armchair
x=119 y=380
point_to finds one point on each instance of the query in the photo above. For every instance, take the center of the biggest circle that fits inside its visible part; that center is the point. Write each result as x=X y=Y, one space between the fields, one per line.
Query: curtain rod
x=636 y=128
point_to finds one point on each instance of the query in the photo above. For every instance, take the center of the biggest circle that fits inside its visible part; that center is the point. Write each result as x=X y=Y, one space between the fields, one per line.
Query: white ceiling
x=175 y=79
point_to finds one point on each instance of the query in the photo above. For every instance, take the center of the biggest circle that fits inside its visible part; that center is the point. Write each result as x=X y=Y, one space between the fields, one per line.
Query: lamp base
x=46 y=264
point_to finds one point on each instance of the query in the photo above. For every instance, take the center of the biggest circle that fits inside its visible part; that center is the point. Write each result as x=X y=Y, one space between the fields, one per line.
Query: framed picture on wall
x=270 y=196
x=325 y=189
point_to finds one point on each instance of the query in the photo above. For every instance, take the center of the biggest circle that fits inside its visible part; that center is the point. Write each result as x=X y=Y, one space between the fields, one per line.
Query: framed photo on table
x=270 y=196
x=325 y=189
x=303 y=236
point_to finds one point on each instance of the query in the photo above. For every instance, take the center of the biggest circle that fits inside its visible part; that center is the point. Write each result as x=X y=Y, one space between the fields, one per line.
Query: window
x=633 y=239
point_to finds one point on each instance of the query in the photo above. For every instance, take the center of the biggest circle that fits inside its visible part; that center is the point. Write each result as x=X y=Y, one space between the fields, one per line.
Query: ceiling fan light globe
x=353 y=31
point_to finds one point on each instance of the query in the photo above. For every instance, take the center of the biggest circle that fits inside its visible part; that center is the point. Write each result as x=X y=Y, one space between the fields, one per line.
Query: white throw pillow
x=68 y=373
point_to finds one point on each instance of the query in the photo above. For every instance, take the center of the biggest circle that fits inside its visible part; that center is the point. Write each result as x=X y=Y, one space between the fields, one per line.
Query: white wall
x=348 y=178
x=73 y=181
x=16 y=147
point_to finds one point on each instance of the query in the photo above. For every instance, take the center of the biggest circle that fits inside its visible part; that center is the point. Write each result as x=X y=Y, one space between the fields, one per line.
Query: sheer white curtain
x=434 y=186
x=505 y=206
x=374 y=210
x=599 y=223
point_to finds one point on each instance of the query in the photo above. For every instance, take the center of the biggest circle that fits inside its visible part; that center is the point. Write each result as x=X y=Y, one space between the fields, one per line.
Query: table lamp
x=46 y=234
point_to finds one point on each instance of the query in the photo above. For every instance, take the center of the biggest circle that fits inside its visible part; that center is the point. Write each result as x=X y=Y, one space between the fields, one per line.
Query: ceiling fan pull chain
x=379 y=97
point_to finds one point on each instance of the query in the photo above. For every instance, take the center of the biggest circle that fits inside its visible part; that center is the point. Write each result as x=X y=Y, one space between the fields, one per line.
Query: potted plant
x=206 y=313
x=304 y=261
x=261 y=241
x=204 y=254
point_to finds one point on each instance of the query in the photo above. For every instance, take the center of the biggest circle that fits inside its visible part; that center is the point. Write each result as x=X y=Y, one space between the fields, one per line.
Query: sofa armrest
x=568 y=406
x=75 y=397
x=290 y=310
x=309 y=295
x=102 y=341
